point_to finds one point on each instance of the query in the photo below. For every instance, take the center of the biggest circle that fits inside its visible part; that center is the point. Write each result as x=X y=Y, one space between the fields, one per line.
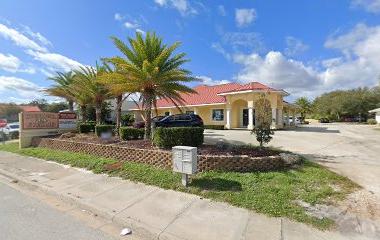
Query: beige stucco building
x=231 y=105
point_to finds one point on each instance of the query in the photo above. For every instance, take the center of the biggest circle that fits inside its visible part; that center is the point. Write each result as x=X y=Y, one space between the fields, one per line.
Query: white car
x=297 y=121
x=12 y=130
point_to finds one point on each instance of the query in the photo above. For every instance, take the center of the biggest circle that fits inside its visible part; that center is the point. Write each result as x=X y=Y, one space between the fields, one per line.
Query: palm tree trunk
x=148 y=121
x=83 y=111
x=71 y=106
x=119 y=101
x=98 y=113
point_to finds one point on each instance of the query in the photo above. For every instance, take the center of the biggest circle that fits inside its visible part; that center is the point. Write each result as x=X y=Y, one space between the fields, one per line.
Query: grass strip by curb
x=272 y=193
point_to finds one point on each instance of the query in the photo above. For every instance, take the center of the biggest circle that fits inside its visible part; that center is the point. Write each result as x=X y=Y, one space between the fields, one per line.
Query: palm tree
x=82 y=98
x=61 y=88
x=106 y=77
x=305 y=106
x=153 y=70
x=87 y=81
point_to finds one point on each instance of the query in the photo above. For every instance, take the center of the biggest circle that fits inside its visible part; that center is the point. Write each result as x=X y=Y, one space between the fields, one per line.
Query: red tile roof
x=210 y=94
x=27 y=108
x=251 y=86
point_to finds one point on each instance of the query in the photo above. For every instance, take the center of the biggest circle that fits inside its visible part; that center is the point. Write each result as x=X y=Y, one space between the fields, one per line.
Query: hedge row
x=128 y=133
x=99 y=129
x=214 y=127
x=86 y=127
x=178 y=136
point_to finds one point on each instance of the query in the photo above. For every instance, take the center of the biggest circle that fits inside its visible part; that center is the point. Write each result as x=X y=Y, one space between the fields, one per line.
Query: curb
x=138 y=228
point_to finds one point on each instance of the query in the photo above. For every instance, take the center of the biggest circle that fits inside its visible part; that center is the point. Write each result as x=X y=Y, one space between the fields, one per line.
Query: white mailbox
x=184 y=159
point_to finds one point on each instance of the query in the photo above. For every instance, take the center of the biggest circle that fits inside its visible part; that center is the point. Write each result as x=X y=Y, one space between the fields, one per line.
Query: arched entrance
x=239 y=114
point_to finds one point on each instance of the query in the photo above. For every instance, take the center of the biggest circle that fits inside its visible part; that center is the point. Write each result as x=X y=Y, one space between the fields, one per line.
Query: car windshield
x=14 y=126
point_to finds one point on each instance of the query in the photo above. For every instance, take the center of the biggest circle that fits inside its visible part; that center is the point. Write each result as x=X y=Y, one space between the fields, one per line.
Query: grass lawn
x=272 y=193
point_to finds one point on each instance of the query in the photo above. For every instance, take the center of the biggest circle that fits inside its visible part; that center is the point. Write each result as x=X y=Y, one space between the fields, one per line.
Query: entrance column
x=294 y=117
x=228 y=118
x=250 y=119
x=287 y=117
x=280 y=121
x=274 y=117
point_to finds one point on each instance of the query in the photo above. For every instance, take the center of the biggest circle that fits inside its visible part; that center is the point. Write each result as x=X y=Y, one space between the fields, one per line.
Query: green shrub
x=127 y=119
x=99 y=129
x=371 y=121
x=86 y=127
x=129 y=133
x=178 y=136
x=214 y=127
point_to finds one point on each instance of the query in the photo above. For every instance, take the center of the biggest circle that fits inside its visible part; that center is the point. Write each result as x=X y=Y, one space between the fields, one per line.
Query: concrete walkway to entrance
x=151 y=212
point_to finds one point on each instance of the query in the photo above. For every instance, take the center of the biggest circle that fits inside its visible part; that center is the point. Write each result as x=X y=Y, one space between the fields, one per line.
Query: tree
x=81 y=97
x=105 y=77
x=305 y=106
x=40 y=103
x=61 y=88
x=87 y=82
x=153 y=70
x=263 y=114
x=56 y=107
x=9 y=111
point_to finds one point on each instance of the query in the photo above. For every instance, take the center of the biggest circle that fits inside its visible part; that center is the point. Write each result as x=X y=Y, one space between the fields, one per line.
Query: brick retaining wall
x=163 y=159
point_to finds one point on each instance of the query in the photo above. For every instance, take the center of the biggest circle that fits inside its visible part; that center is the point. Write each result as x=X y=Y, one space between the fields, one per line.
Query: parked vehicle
x=141 y=124
x=180 y=120
x=297 y=121
x=12 y=130
x=324 y=120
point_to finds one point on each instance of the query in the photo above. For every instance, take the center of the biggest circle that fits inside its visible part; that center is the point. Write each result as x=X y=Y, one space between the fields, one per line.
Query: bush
x=127 y=119
x=371 y=121
x=178 y=136
x=214 y=127
x=129 y=133
x=99 y=129
x=86 y=127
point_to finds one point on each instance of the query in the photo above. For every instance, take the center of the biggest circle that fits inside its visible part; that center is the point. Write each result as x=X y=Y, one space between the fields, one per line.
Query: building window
x=218 y=114
x=189 y=112
x=167 y=113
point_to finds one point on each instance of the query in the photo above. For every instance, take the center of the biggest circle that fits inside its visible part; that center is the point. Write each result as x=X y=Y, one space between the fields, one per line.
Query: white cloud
x=294 y=46
x=20 y=39
x=245 y=16
x=182 y=6
x=238 y=40
x=209 y=81
x=276 y=70
x=9 y=63
x=357 y=66
x=131 y=25
x=55 y=61
x=13 y=64
x=219 y=48
x=369 y=5
x=18 y=88
x=140 y=31
x=118 y=17
x=38 y=36
x=222 y=10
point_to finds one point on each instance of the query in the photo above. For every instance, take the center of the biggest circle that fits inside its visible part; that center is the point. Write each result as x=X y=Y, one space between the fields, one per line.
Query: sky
x=305 y=47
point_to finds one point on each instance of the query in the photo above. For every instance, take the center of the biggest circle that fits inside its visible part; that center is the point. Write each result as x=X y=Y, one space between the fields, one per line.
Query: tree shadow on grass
x=216 y=184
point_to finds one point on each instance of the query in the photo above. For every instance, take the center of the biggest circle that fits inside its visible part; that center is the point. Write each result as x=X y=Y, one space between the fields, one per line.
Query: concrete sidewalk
x=151 y=212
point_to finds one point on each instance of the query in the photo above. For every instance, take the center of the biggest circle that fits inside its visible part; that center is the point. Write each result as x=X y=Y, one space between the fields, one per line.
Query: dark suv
x=180 y=120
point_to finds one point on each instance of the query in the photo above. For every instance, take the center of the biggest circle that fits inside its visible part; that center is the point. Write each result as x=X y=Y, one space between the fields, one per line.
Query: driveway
x=348 y=149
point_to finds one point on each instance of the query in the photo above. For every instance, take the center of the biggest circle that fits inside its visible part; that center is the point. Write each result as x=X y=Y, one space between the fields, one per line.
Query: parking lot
x=349 y=149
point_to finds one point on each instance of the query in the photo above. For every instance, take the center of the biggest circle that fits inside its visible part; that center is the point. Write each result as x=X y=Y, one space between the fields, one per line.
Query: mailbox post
x=185 y=161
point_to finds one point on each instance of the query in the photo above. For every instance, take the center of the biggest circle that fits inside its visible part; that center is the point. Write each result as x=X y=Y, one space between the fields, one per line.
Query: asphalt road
x=23 y=217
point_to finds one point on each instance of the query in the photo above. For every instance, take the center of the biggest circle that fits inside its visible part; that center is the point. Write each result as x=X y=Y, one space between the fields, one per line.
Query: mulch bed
x=216 y=150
